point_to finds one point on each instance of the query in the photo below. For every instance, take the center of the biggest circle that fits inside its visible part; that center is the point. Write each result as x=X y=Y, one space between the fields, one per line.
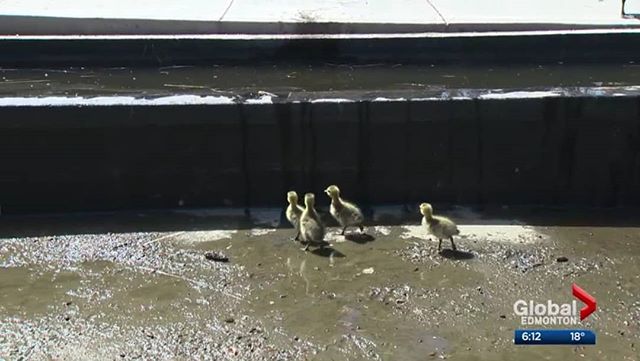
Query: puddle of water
x=331 y=298
x=29 y=291
x=93 y=288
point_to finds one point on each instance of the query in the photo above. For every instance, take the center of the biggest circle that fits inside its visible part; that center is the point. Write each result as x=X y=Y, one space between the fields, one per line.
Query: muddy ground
x=140 y=286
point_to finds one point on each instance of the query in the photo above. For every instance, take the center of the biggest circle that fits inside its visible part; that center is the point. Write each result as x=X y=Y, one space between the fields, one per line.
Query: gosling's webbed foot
x=361 y=229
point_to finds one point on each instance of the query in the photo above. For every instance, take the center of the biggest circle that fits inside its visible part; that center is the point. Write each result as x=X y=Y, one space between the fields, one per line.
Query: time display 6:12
x=531 y=336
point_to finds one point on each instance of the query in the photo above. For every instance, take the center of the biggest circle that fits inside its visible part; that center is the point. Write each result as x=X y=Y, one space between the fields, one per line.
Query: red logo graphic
x=589 y=301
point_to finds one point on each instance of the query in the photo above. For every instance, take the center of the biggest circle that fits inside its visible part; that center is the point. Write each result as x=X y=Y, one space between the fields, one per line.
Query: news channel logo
x=551 y=313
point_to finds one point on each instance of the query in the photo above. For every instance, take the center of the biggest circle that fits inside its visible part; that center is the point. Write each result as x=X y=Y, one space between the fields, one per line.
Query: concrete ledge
x=36 y=25
x=45 y=25
x=507 y=148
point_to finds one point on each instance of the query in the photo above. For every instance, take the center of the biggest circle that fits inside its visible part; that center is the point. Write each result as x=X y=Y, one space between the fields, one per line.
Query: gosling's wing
x=359 y=216
x=457 y=229
x=311 y=229
x=451 y=226
x=354 y=212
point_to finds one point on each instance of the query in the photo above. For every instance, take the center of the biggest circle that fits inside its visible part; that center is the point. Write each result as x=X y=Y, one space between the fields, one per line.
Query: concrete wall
x=554 y=151
x=586 y=47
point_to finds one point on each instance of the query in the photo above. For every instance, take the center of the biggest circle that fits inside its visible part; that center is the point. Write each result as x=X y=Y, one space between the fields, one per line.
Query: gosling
x=441 y=227
x=294 y=212
x=346 y=213
x=311 y=227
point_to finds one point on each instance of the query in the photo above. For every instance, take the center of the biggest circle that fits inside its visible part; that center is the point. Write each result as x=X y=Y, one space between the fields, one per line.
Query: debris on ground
x=216 y=257
x=368 y=271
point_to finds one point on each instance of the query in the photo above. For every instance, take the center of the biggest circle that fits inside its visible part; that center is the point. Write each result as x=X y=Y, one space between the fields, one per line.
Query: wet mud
x=69 y=291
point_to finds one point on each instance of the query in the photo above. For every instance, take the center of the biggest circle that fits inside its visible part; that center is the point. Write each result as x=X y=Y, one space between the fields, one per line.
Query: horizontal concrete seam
x=426 y=35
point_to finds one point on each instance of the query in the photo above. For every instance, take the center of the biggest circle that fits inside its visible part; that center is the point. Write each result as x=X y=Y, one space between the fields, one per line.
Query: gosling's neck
x=311 y=211
x=336 y=200
x=428 y=216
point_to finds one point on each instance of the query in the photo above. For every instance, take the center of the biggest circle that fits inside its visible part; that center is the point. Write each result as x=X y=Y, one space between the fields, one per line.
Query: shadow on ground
x=327 y=252
x=360 y=238
x=456 y=254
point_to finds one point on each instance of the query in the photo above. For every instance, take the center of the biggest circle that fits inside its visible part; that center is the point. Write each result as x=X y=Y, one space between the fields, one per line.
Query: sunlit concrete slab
x=632 y=7
x=36 y=17
x=211 y=10
x=373 y=11
x=580 y=12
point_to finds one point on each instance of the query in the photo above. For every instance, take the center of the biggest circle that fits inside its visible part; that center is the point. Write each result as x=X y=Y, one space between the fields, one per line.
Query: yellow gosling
x=294 y=212
x=346 y=213
x=440 y=227
x=311 y=227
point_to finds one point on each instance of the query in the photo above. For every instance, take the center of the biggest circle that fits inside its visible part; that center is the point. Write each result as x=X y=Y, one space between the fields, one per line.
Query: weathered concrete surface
x=523 y=11
x=632 y=7
x=146 y=291
x=281 y=16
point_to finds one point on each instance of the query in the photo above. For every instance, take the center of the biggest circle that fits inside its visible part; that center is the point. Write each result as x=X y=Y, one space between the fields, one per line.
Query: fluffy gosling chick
x=294 y=212
x=311 y=227
x=346 y=213
x=441 y=227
